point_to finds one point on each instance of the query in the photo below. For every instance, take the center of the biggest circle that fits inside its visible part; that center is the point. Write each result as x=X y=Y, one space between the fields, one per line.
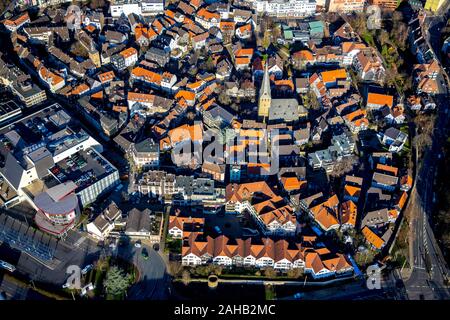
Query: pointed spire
x=265 y=88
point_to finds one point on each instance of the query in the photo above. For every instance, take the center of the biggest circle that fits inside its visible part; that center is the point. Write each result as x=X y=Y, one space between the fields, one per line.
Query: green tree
x=117 y=282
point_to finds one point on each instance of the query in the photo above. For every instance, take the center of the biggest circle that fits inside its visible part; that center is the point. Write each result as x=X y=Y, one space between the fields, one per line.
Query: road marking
x=418 y=267
x=79 y=241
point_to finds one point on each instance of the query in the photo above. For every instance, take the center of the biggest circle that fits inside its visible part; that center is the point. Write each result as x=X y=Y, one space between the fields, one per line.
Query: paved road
x=17 y=291
x=153 y=280
x=427 y=280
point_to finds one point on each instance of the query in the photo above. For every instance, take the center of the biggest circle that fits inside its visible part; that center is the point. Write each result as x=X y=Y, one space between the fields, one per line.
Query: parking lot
x=83 y=168
x=229 y=224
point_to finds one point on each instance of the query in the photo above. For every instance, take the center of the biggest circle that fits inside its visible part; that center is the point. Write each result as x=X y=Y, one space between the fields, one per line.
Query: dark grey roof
x=58 y=200
x=12 y=171
x=112 y=212
x=284 y=109
x=219 y=112
x=101 y=223
x=138 y=221
x=375 y=217
x=147 y=145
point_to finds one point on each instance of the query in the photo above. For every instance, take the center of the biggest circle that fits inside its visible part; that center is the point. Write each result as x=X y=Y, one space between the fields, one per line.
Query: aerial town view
x=204 y=150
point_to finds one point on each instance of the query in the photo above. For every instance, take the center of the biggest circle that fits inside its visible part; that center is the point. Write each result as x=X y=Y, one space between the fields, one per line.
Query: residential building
x=346 y=6
x=394 y=139
x=282 y=255
x=326 y=214
x=290 y=8
x=342 y=146
x=376 y=101
x=144 y=225
x=145 y=153
x=15 y=23
x=372 y=238
x=126 y=7
x=389 y=5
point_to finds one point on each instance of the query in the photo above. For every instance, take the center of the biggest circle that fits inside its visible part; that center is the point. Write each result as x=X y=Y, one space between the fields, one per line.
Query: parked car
x=86 y=269
x=144 y=254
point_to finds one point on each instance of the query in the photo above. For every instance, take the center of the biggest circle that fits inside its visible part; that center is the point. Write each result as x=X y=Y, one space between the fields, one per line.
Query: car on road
x=144 y=254
x=298 y=295
x=86 y=269
x=137 y=244
x=156 y=247
x=66 y=285
x=218 y=230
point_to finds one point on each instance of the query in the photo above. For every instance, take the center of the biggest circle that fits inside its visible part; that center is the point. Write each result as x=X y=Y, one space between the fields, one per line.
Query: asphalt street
x=428 y=278
x=153 y=279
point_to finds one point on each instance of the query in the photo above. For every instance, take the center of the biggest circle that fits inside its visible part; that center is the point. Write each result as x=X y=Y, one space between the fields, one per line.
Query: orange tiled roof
x=184 y=132
x=355 y=114
x=90 y=28
x=244 y=52
x=242 y=61
x=246 y=191
x=387 y=168
x=348 y=212
x=106 y=76
x=18 y=21
x=97 y=95
x=333 y=75
x=128 y=52
x=372 y=238
x=292 y=183
x=187 y=95
x=141 y=97
x=80 y=89
x=380 y=99
x=285 y=82
x=352 y=191
x=120 y=109
x=304 y=55
x=207 y=15
x=227 y=25
x=245 y=28
x=46 y=74
x=402 y=200
x=147 y=75
x=326 y=213
x=348 y=46
x=169 y=13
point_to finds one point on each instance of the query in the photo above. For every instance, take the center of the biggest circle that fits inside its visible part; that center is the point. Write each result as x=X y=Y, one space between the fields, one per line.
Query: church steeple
x=265 y=97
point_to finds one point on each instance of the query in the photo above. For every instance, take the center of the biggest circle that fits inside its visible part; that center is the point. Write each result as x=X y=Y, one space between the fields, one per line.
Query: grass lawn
x=270 y=292
x=368 y=38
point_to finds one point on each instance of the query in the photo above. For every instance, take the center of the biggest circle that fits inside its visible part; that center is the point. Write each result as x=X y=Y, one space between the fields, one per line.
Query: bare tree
x=295 y=273
x=95 y=4
x=344 y=166
x=270 y=272
x=175 y=268
x=186 y=277
x=425 y=127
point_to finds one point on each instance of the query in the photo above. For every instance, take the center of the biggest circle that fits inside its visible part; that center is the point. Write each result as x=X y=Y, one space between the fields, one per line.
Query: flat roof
x=83 y=168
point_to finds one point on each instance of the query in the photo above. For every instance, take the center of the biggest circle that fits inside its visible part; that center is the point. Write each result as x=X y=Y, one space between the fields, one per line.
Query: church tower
x=265 y=97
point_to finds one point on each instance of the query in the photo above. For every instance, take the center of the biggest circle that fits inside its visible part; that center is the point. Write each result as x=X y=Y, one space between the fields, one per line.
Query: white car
x=66 y=285
x=137 y=245
x=87 y=269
